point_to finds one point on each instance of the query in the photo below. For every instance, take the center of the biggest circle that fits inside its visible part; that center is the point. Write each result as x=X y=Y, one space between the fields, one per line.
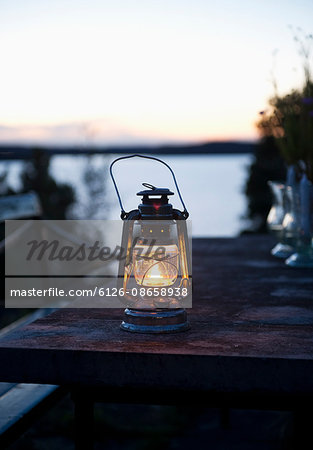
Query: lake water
x=211 y=185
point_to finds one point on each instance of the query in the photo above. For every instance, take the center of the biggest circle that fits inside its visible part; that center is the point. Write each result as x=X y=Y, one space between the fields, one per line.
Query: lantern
x=154 y=276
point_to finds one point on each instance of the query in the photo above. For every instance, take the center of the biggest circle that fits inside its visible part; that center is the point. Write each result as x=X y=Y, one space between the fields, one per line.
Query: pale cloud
x=97 y=132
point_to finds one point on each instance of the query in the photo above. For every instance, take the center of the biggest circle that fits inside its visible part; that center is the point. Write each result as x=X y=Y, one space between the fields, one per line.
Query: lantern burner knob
x=149 y=186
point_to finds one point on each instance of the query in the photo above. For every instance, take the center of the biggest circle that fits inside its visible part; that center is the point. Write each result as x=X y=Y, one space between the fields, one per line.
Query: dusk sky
x=128 y=72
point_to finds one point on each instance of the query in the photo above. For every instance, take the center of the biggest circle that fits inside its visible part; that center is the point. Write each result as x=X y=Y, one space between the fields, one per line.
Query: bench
x=21 y=404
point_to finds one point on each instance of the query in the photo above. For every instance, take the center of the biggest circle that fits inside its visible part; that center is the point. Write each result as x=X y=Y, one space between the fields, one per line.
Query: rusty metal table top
x=251 y=331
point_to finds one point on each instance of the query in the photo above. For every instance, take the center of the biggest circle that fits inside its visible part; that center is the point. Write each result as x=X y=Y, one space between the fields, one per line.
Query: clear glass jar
x=303 y=255
x=280 y=208
x=276 y=215
x=291 y=224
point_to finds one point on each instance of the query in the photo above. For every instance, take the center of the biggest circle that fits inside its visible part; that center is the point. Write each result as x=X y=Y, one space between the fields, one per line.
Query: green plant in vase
x=290 y=121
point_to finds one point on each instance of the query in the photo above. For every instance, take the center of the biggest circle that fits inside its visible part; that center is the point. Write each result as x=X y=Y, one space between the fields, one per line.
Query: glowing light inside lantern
x=155 y=270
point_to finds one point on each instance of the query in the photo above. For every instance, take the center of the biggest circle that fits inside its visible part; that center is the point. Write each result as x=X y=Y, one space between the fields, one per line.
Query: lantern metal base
x=155 y=321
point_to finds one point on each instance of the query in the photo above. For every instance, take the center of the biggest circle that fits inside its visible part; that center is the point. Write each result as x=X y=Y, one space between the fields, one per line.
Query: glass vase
x=303 y=255
x=276 y=217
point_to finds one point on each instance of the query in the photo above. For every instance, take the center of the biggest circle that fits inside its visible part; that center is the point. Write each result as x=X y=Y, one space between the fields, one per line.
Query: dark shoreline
x=13 y=152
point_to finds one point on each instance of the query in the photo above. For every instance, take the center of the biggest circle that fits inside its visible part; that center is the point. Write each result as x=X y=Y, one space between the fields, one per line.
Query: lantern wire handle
x=123 y=213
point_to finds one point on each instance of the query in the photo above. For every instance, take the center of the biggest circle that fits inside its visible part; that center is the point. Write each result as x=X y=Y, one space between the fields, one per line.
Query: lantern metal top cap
x=152 y=190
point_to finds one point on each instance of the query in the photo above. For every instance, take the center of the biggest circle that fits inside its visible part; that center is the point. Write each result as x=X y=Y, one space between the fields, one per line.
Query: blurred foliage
x=93 y=202
x=290 y=122
x=289 y=118
x=55 y=198
x=286 y=130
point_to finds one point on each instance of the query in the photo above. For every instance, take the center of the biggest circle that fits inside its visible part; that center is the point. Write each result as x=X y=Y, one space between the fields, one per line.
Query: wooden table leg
x=84 y=422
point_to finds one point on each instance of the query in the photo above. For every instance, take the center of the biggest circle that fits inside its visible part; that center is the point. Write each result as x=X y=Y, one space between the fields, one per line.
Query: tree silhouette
x=268 y=164
x=55 y=197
